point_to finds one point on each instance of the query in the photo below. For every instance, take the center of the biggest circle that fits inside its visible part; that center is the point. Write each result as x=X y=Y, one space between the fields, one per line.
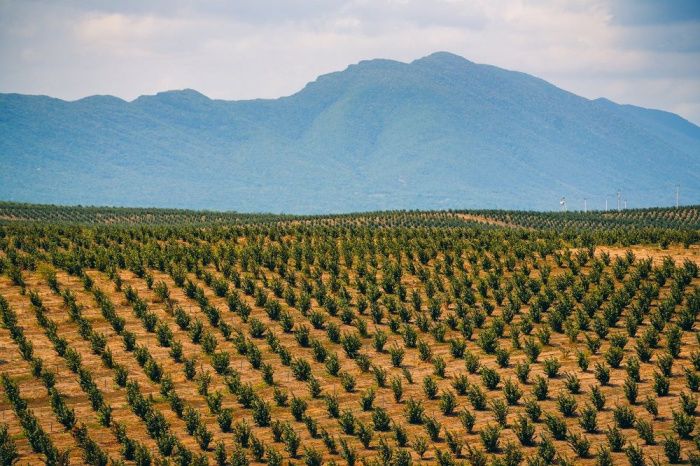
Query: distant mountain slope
x=440 y=132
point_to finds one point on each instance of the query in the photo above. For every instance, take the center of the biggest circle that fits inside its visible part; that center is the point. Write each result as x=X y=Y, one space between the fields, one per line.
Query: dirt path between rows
x=657 y=255
x=487 y=220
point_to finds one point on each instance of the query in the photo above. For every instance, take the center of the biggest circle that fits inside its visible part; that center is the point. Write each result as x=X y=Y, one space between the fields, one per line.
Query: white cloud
x=268 y=48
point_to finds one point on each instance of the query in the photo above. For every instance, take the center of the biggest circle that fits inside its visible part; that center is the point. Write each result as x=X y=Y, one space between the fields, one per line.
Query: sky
x=641 y=52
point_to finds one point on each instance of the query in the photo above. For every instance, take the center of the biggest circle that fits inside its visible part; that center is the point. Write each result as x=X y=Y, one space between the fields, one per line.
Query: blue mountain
x=439 y=132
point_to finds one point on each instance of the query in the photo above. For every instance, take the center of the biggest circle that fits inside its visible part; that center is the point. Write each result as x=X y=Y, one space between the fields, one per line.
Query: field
x=143 y=336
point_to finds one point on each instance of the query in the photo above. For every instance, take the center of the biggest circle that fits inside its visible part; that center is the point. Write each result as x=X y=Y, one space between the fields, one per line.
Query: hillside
x=439 y=132
x=683 y=224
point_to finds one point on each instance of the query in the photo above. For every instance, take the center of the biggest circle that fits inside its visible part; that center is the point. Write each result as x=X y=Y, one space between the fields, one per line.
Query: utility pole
x=618 y=200
x=678 y=192
x=562 y=204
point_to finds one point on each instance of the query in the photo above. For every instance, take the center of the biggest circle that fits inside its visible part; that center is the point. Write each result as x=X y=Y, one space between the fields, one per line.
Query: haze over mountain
x=439 y=132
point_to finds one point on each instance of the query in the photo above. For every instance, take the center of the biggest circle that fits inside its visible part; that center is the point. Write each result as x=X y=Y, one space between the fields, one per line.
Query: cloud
x=649 y=12
x=640 y=52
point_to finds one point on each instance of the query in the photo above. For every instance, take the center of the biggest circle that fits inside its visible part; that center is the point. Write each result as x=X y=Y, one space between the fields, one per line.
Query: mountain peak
x=175 y=95
x=101 y=99
x=443 y=58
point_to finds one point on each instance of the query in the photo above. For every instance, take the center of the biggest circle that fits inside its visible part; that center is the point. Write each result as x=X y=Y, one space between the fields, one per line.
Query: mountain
x=439 y=132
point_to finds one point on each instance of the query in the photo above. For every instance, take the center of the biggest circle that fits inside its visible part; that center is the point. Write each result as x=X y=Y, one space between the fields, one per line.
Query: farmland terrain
x=147 y=336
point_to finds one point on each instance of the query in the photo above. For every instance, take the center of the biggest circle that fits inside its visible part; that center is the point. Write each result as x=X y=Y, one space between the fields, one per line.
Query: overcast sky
x=643 y=52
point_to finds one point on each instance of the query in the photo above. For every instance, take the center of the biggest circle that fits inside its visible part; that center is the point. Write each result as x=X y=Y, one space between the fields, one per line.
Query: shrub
x=512 y=392
x=453 y=443
x=379 y=340
x=488 y=341
x=500 y=411
x=432 y=427
x=414 y=411
x=624 y=417
x=397 y=354
x=589 y=419
x=448 y=403
x=490 y=436
x=332 y=406
x=381 y=420
x=397 y=388
x=645 y=429
x=476 y=397
x=635 y=455
x=602 y=373
x=546 y=450
x=351 y=344
x=203 y=437
x=524 y=430
x=220 y=362
x=614 y=356
x=430 y=387
x=467 y=419
x=261 y=413
x=400 y=435
x=580 y=444
x=683 y=424
x=556 y=426
x=439 y=367
x=541 y=388
x=551 y=367
x=347 y=422
x=312 y=457
x=533 y=410
x=532 y=349
x=471 y=362
x=597 y=398
x=572 y=383
x=490 y=378
x=420 y=445
x=367 y=399
x=692 y=380
x=582 y=360
x=502 y=357
x=651 y=405
x=365 y=434
x=616 y=440
x=189 y=368
x=291 y=442
x=661 y=384
x=631 y=390
x=301 y=369
x=604 y=458
x=566 y=404
x=460 y=383
x=224 y=419
x=379 y=376
x=522 y=372
x=348 y=381
x=632 y=368
x=298 y=408
x=672 y=449
x=665 y=363
x=347 y=452
x=332 y=364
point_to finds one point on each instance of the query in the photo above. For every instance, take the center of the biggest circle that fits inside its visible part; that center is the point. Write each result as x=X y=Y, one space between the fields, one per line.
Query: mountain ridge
x=438 y=132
